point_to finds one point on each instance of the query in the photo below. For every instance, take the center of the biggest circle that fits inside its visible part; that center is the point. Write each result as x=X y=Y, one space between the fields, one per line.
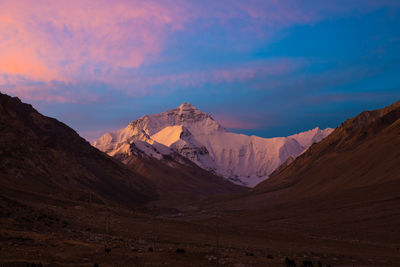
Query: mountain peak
x=196 y=136
x=185 y=113
x=187 y=108
x=186 y=105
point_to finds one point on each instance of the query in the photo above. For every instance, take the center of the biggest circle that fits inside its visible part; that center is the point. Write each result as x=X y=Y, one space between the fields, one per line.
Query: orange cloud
x=66 y=40
x=24 y=61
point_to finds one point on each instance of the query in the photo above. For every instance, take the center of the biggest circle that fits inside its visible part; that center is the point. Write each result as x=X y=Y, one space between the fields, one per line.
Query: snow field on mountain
x=195 y=135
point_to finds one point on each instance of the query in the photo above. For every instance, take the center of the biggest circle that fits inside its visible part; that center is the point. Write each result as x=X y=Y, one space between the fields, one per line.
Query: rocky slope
x=342 y=189
x=179 y=182
x=363 y=151
x=195 y=135
x=356 y=167
x=41 y=157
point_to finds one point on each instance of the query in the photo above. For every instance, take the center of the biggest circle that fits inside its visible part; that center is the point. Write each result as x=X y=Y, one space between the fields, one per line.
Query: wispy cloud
x=51 y=50
x=81 y=40
x=273 y=67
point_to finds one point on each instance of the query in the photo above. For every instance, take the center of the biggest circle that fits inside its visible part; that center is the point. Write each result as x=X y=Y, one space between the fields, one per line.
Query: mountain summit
x=195 y=135
x=187 y=108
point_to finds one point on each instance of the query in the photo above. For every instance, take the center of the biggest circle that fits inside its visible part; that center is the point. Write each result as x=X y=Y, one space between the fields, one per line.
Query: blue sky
x=269 y=68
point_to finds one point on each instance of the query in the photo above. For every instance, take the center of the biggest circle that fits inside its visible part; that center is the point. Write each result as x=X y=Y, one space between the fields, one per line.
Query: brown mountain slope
x=362 y=154
x=364 y=151
x=180 y=182
x=342 y=196
x=42 y=157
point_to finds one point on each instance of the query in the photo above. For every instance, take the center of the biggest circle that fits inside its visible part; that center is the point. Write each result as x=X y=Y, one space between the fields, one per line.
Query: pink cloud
x=67 y=40
x=74 y=41
x=56 y=40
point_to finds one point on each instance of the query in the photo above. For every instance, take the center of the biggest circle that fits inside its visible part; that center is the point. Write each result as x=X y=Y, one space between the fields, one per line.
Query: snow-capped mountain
x=195 y=135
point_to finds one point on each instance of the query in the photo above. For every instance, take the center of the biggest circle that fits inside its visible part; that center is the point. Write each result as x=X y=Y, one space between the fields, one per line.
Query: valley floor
x=66 y=233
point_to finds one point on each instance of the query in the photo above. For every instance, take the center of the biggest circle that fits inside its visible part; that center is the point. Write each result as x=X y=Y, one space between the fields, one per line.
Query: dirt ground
x=77 y=234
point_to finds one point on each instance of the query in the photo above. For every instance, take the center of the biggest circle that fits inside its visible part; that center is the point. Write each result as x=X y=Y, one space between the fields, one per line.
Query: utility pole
x=217 y=236
x=154 y=234
x=107 y=221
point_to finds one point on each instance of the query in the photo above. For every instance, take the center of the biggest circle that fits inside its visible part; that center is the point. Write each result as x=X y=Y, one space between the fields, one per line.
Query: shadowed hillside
x=362 y=152
x=42 y=157
x=347 y=188
x=180 y=183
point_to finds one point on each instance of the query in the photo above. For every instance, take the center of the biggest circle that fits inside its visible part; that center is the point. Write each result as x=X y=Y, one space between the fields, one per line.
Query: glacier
x=195 y=135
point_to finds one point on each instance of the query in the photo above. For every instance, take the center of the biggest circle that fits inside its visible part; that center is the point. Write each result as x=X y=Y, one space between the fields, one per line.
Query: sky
x=259 y=67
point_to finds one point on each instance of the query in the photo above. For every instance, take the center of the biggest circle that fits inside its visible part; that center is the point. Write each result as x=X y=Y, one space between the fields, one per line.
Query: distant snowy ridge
x=195 y=135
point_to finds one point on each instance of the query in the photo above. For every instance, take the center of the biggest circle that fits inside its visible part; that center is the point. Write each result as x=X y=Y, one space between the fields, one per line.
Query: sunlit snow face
x=190 y=133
